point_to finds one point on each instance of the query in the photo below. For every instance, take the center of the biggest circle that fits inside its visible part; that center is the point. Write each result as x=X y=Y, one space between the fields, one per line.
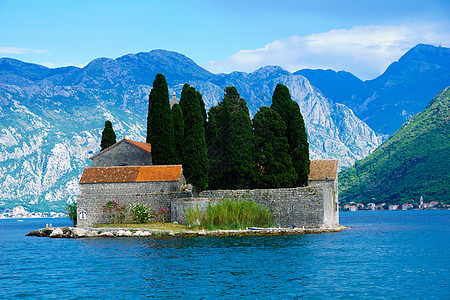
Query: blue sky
x=362 y=37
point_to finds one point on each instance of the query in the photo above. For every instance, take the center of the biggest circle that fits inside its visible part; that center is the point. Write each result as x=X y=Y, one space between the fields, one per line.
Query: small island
x=195 y=167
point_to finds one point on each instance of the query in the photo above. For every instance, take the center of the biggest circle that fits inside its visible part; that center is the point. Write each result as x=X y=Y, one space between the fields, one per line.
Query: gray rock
x=57 y=233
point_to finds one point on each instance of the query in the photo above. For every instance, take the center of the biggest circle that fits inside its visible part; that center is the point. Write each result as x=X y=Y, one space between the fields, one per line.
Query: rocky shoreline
x=75 y=232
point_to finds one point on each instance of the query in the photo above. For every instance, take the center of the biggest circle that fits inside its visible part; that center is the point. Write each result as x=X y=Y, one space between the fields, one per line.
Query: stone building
x=123 y=172
x=124 y=153
x=323 y=173
x=154 y=186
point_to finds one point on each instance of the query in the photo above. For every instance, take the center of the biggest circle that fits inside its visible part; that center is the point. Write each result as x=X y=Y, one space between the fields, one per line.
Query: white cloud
x=365 y=51
x=16 y=50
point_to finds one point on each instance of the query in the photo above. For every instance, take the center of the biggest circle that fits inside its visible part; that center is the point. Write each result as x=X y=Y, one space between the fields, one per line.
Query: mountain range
x=388 y=101
x=51 y=119
x=412 y=163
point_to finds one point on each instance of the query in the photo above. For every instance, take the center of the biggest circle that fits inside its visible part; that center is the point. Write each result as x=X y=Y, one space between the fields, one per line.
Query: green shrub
x=140 y=213
x=230 y=214
x=71 y=212
x=193 y=216
x=161 y=216
x=114 y=210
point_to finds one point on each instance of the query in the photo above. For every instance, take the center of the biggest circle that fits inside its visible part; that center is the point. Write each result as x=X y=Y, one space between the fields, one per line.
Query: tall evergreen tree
x=289 y=111
x=178 y=131
x=214 y=151
x=300 y=154
x=229 y=142
x=159 y=123
x=240 y=141
x=273 y=165
x=108 y=136
x=202 y=107
x=194 y=156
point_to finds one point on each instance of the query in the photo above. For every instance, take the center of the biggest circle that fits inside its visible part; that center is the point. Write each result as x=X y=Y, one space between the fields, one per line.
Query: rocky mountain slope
x=413 y=162
x=51 y=119
x=389 y=100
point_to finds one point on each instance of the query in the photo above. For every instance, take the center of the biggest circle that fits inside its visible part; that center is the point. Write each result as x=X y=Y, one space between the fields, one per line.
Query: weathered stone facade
x=307 y=207
x=93 y=197
x=315 y=206
x=124 y=153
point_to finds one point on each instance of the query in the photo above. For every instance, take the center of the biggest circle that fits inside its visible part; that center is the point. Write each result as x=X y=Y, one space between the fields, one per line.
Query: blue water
x=391 y=255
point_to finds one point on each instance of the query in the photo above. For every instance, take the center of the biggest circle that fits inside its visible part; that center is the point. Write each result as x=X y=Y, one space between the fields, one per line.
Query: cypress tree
x=240 y=141
x=108 y=136
x=159 y=123
x=213 y=149
x=178 y=131
x=194 y=155
x=300 y=154
x=273 y=165
x=289 y=111
x=229 y=142
x=202 y=107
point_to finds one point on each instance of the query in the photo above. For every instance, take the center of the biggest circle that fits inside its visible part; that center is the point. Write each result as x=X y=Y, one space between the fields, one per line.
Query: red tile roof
x=144 y=146
x=323 y=169
x=131 y=174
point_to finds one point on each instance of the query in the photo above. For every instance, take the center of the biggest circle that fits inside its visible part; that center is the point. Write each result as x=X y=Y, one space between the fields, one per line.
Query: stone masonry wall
x=303 y=206
x=92 y=197
x=331 y=207
x=309 y=207
x=123 y=154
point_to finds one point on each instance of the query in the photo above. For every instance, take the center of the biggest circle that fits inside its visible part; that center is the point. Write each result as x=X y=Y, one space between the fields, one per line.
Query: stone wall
x=92 y=197
x=303 y=206
x=331 y=205
x=309 y=207
x=123 y=154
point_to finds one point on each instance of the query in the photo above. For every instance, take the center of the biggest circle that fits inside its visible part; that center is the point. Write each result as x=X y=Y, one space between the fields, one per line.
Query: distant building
x=433 y=204
x=393 y=207
x=407 y=206
x=371 y=206
x=173 y=100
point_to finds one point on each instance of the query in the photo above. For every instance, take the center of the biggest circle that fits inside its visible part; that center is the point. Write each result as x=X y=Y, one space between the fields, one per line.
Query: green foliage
x=413 y=162
x=161 y=215
x=202 y=107
x=230 y=214
x=194 y=217
x=237 y=214
x=289 y=111
x=273 y=165
x=140 y=213
x=108 y=136
x=71 y=212
x=213 y=149
x=178 y=130
x=194 y=154
x=160 y=132
x=114 y=211
x=229 y=134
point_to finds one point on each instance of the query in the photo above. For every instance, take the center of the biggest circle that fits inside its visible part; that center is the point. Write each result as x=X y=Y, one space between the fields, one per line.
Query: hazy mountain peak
x=428 y=54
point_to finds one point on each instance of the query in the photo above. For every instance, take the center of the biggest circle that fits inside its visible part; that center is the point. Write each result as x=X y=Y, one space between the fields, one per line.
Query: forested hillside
x=413 y=162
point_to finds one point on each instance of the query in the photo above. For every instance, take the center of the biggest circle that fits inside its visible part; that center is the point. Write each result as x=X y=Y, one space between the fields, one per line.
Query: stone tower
x=173 y=100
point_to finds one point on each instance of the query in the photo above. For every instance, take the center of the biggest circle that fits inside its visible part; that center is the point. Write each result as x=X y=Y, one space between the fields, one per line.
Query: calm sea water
x=394 y=255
